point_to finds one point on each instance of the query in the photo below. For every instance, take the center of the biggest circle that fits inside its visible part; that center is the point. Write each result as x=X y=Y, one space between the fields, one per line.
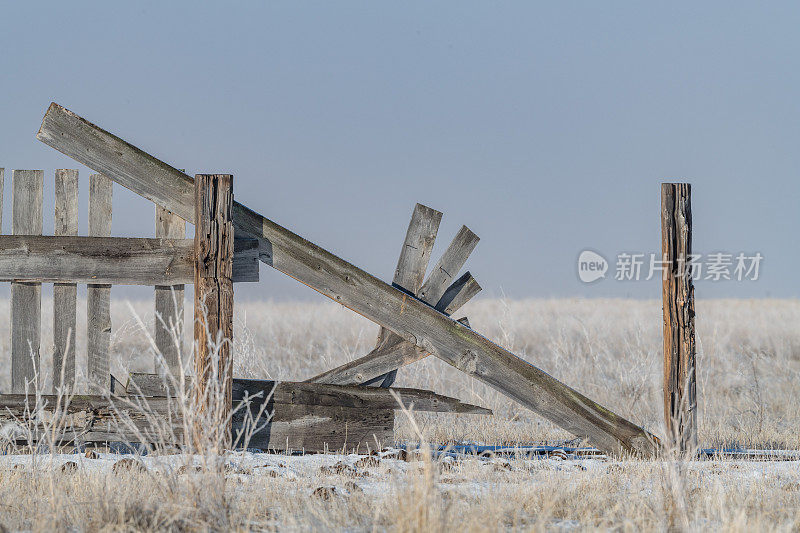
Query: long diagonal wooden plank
x=365 y=294
x=394 y=351
x=411 y=268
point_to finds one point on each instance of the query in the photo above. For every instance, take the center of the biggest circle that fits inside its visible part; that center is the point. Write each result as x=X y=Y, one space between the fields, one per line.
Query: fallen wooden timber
x=298 y=416
x=408 y=317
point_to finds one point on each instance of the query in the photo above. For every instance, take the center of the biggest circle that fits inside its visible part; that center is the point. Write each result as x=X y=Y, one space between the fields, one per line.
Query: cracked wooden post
x=213 y=310
x=680 y=390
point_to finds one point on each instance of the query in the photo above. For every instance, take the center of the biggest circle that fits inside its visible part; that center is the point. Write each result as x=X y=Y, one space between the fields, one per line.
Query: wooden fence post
x=680 y=390
x=213 y=309
x=98 y=297
x=65 y=294
x=26 y=298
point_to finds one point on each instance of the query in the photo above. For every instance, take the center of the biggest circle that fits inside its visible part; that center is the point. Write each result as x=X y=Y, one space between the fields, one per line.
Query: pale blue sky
x=546 y=128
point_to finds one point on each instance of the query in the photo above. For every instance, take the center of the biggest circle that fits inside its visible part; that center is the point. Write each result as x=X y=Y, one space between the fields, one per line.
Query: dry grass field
x=749 y=358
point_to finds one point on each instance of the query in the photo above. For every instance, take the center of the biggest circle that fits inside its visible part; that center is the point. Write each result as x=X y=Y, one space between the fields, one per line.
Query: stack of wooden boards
x=309 y=417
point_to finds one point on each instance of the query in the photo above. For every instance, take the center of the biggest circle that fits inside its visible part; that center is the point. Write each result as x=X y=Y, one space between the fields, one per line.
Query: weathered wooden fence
x=311 y=417
x=411 y=312
x=28 y=259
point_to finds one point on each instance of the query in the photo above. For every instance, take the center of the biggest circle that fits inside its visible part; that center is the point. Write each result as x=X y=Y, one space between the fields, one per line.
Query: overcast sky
x=544 y=127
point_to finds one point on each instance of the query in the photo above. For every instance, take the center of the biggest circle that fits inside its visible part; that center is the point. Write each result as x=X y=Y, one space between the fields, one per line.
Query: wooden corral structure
x=412 y=312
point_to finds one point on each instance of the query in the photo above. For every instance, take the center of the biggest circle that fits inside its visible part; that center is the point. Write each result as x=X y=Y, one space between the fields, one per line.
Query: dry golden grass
x=609 y=349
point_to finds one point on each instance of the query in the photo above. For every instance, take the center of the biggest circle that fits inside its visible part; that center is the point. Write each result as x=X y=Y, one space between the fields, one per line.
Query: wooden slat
x=105 y=260
x=411 y=267
x=64 y=294
x=168 y=325
x=26 y=298
x=680 y=387
x=459 y=293
x=98 y=296
x=394 y=351
x=416 y=252
x=140 y=384
x=213 y=308
x=337 y=279
x=448 y=266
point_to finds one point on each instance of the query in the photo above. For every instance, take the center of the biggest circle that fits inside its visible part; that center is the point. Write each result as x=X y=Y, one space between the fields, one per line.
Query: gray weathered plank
x=140 y=384
x=448 y=266
x=416 y=252
x=459 y=293
x=339 y=280
x=96 y=260
x=98 y=296
x=26 y=298
x=393 y=351
x=64 y=294
x=411 y=266
x=168 y=327
x=105 y=260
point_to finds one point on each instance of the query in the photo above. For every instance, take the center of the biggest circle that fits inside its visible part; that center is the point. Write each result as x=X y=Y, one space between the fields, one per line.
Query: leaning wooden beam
x=26 y=297
x=337 y=279
x=411 y=267
x=105 y=260
x=394 y=351
x=140 y=384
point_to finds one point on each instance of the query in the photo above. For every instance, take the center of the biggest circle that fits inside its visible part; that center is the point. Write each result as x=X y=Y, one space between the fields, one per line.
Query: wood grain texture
x=168 y=300
x=98 y=296
x=140 y=384
x=448 y=266
x=348 y=285
x=64 y=294
x=93 y=260
x=411 y=268
x=213 y=305
x=680 y=388
x=26 y=298
x=417 y=247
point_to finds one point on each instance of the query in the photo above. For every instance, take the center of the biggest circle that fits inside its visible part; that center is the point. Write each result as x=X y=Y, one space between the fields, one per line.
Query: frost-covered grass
x=748 y=362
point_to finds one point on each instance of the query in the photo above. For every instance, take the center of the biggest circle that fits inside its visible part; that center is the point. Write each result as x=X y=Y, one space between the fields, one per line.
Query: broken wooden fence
x=402 y=310
x=28 y=259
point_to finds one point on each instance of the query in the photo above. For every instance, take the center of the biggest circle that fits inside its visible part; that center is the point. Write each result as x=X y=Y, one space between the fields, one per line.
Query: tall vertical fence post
x=213 y=309
x=680 y=390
